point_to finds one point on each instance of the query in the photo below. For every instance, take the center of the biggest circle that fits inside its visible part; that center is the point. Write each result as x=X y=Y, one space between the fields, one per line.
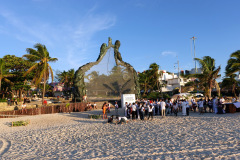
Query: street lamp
x=193 y=38
x=179 y=75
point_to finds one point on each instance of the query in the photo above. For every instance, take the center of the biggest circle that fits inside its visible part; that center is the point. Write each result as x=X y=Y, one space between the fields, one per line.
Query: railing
x=61 y=108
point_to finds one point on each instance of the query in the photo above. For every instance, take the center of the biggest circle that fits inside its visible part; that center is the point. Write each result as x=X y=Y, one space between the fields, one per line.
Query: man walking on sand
x=163 y=107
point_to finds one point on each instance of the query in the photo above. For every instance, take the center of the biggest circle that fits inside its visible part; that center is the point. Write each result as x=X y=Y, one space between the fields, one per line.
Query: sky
x=149 y=31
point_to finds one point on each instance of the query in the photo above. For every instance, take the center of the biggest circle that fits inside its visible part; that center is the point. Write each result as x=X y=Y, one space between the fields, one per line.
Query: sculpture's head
x=117 y=44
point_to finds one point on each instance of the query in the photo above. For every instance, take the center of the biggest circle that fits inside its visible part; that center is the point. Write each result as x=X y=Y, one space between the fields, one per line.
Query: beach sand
x=75 y=136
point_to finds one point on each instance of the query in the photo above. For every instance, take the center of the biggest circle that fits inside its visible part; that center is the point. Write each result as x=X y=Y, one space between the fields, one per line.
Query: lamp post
x=179 y=78
x=160 y=81
x=194 y=38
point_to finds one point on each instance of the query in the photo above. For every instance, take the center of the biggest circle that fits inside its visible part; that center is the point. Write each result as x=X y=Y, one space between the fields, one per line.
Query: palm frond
x=51 y=72
x=32 y=57
x=215 y=74
x=30 y=69
x=235 y=54
x=8 y=81
x=202 y=63
x=53 y=60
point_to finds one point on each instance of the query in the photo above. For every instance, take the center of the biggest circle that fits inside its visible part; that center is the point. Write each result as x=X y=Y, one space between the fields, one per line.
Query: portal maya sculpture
x=108 y=77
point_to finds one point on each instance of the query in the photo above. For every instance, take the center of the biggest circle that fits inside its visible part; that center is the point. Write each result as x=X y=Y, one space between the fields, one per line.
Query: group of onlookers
x=146 y=109
x=214 y=105
x=149 y=108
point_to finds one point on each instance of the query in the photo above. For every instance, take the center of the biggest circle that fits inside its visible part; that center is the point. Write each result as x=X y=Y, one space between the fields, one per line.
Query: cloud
x=82 y=35
x=21 y=30
x=72 y=40
x=167 y=53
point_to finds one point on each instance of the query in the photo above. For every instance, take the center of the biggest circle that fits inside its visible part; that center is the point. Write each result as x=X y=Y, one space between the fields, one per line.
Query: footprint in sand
x=4 y=146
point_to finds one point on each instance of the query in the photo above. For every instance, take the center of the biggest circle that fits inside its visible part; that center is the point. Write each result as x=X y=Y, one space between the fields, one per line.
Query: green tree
x=145 y=82
x=233 y=64
x=18 y=66
x=230 y=82
x=149 y=79
x=66 y=77
x=42 y=67
x=154 y=76
x=4 y=73
x=210 y=73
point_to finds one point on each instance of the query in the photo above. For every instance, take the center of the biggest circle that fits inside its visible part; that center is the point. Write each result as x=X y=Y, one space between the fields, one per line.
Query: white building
x=172 y=81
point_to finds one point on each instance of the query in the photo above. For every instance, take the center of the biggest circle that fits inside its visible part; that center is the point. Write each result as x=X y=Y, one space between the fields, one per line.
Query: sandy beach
x=75 y=136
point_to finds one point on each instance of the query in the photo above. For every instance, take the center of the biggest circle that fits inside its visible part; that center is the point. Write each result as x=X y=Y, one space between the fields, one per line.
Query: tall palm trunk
x=210 y=90
x=210 y=93
x=0 y=84
x=44 y=83
x=233 y=90
x=20 y=95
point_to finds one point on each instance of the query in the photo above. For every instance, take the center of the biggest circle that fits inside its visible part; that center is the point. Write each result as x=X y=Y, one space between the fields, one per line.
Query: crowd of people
x=163 y=107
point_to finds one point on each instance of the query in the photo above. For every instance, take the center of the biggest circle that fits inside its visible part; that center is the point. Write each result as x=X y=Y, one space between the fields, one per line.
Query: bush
x=20 y=123
x=166 y=96
x=153 y=95
x=67 y=105
x=95 y=116
x=3 y=100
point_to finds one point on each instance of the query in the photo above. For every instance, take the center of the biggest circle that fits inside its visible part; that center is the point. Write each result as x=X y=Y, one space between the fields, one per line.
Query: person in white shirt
x=222 y=100
x=150 y=111
x=184 y=110
x=200 y=105
x=134 y=109
x=163 y=108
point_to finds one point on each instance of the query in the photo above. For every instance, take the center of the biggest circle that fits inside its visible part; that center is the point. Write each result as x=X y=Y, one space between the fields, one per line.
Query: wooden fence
x=61 y=108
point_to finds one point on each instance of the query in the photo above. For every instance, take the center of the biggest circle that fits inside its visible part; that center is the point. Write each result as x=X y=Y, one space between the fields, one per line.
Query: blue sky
x=149 y=31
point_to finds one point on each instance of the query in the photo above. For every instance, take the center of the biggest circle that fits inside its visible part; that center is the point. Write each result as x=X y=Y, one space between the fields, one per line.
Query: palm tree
x=42 y=68
x=4 y=73
x=66 y=77
x=210 y=73
x=144 y=81
x=233 y=64
x=154 y=75
x=230 y=82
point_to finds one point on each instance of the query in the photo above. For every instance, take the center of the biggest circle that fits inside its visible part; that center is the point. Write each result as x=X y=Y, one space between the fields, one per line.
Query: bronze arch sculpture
x=109 y=76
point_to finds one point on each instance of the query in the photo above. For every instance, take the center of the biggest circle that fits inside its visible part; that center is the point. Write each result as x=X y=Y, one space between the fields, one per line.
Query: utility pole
x=179 y=78
x=194 y=38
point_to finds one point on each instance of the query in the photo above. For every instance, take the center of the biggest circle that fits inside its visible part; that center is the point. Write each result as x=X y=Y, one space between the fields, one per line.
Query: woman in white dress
x=184 y=105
